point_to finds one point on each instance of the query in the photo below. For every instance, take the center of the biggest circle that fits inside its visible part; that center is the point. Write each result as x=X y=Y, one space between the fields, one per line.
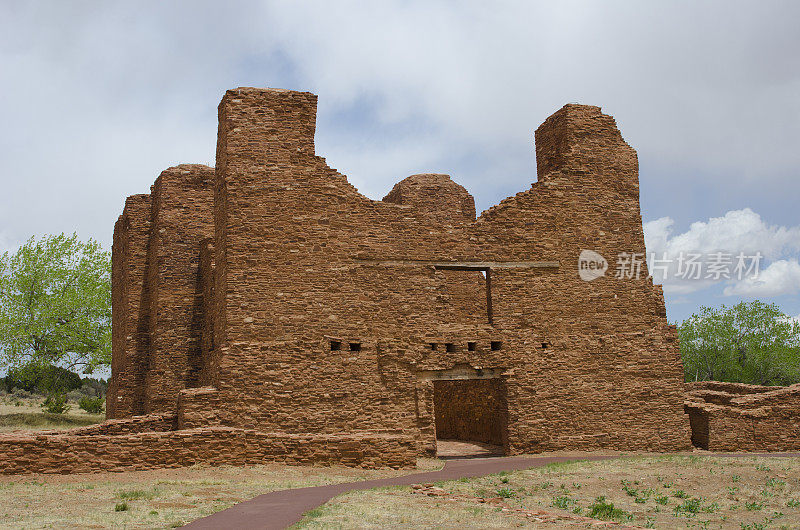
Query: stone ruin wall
x=739 y=417
x=232 y=285
x=344 y=268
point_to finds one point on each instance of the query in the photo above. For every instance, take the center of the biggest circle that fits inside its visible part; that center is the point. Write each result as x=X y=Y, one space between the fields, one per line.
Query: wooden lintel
x=463 y=265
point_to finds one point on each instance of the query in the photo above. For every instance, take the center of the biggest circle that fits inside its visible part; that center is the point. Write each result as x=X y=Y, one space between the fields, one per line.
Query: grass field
x=649 y=492
x=155 y=499
x=26 y=414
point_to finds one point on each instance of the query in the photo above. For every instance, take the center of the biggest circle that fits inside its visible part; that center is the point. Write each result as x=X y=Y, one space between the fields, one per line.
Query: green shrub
x=121 y=507
x=56 y=404
x=690 y=506
x=606 y=511
x=506 y=493
x=563 y=502
x=91 y=405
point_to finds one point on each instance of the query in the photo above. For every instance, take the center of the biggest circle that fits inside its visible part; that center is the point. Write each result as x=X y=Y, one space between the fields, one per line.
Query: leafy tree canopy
x=751 y=343
x=55 y=305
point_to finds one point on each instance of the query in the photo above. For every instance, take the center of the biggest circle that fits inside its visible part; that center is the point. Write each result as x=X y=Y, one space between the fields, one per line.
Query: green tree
x=750 y=343
x=55 y=305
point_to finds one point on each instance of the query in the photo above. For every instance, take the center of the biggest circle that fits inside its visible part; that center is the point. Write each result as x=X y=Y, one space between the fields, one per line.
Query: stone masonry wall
x=67 y=453
x=304 y=262
x=751 y=419
x=316 y=311
x=471 y=410
x=181 y=217
x=208 y=351
x=129 y=334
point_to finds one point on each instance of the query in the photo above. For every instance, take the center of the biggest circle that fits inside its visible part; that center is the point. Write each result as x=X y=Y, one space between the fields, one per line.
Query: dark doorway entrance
x=471 y=410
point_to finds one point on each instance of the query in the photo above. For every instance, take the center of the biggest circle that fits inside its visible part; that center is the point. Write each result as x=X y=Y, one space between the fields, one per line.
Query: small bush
x=680 y=494
x=691 y=506
x=56 y=404
x=121 y=507
x=562 y=502
x=92 y=405
x=661 y=499
x=606 y=511
x=506 y=493
x=753 y=506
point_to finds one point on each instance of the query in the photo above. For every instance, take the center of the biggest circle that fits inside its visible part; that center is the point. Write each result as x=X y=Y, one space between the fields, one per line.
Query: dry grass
x=155 y=499
x=26 y=414
x=655 y=492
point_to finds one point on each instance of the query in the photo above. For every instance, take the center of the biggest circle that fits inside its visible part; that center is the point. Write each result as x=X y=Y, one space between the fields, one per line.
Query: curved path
x=280 y=509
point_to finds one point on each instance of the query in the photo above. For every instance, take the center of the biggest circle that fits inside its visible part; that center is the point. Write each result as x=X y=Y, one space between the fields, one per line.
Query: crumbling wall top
x=435 y=194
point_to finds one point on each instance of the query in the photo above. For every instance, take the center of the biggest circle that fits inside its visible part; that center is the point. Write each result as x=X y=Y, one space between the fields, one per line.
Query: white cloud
x=779 y=278
x=100 y=97
x=738 y=231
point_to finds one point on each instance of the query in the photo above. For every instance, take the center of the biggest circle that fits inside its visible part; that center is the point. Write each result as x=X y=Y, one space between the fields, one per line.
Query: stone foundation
x=738 y=417
x=69 y=452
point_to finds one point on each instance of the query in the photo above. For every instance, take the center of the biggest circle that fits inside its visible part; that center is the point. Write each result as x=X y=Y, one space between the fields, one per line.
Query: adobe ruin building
x=266 y=310
x=270 y=295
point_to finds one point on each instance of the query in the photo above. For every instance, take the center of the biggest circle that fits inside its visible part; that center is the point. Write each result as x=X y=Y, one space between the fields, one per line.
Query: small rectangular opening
x=471 y=346
x=336 y=345
x=545 y=345
x=355 y=346
x=496 y=345
x=449 y=346
x=434 y=346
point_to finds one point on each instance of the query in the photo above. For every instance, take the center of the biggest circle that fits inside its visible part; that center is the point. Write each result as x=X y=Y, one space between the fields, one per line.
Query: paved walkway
x=280 y=509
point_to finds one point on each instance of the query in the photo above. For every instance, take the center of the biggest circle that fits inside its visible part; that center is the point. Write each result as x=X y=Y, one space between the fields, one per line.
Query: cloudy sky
x=99 y=97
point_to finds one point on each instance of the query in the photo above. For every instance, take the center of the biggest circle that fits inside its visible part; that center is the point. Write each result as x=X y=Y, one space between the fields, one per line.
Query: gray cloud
x=99 y=97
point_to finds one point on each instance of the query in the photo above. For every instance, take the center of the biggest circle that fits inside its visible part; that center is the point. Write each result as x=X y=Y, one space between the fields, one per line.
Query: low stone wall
x=71 y=453
x=745 y=418
x=135 y=424
x=730 y=388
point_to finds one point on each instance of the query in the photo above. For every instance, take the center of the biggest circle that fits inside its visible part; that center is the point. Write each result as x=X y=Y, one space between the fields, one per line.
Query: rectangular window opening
x=434 y=346
x=449 y=346
x=336 y=345
x=485 y=279
x=545 y=345
x=471 y=346
x=496 y=345
x=355 y=346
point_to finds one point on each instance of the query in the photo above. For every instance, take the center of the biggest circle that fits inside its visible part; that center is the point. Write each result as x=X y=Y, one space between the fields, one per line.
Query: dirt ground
x=692 y=491
x=156 y=499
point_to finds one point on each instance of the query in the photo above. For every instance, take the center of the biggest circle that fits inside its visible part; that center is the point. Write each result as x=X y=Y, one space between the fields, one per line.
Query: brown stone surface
x=68 y=453
x=738 y=417
x=130 y=337
x=316 y=311
x=474 y=410
x=182 y=205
